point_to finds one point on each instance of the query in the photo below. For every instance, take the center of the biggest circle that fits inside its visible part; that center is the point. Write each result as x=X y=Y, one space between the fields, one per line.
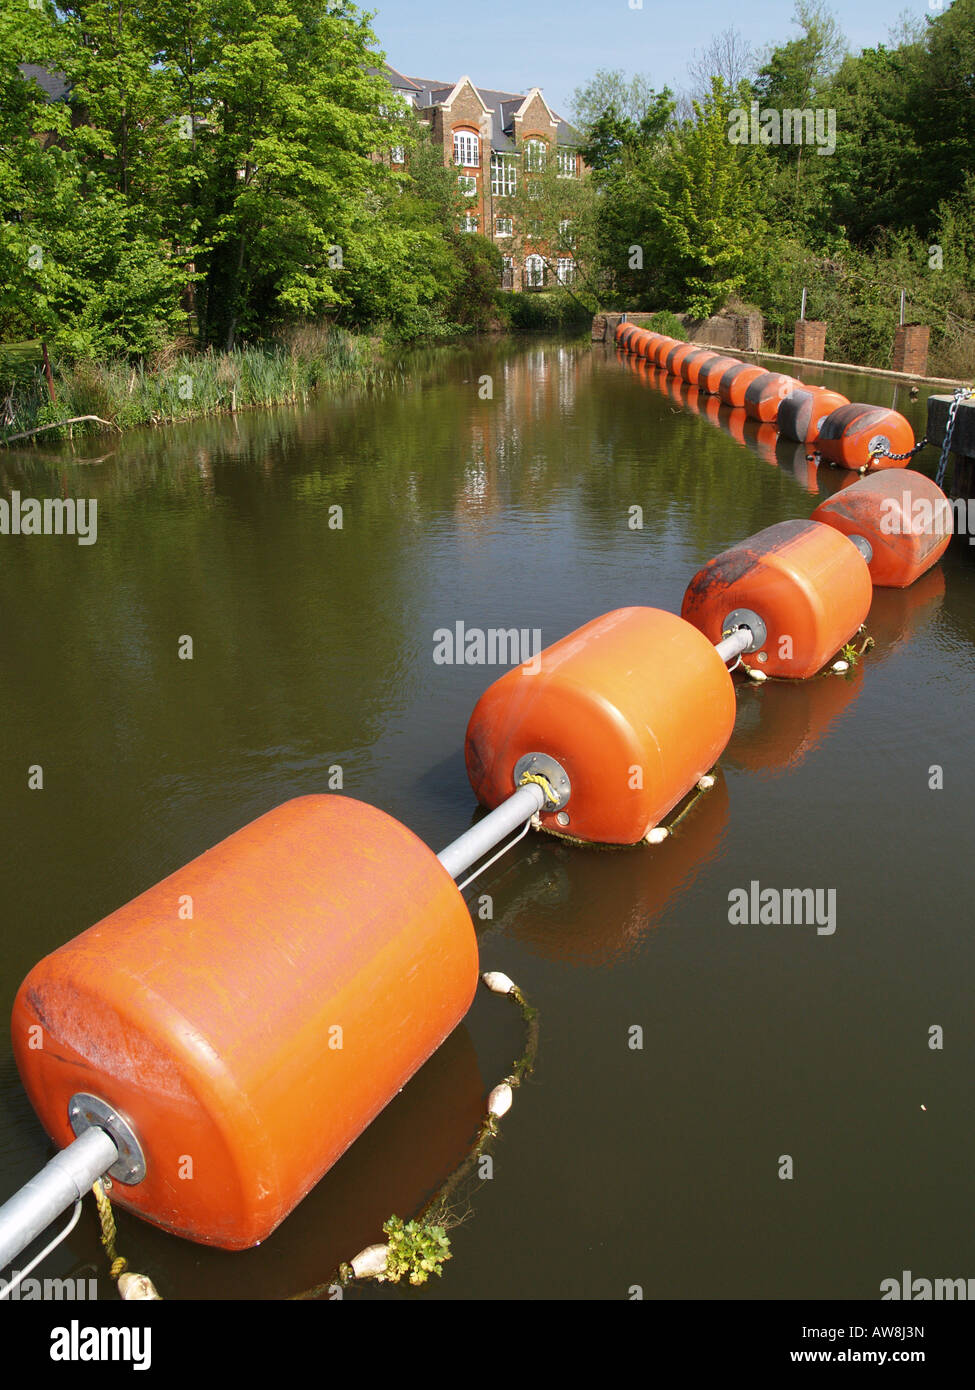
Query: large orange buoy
x=765 y=394
x=808 y=587
x=694 y=357
x=904 y=516
x=252 y=1013
x=711 y=373
x=676 y=356
x=859 y=436
x=660 y=349
x=802 y=412
x=635 y=706
x=735 y=382
x=692 y=367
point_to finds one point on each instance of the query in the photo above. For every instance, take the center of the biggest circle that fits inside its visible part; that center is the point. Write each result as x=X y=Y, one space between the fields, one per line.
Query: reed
x=181 y=384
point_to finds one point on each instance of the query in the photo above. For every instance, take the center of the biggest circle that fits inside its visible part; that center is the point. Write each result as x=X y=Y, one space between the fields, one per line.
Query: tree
x=632 y=100
x=728 y=56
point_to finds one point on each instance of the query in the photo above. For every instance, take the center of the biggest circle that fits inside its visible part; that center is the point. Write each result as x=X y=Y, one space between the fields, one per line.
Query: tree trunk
x=49 y=375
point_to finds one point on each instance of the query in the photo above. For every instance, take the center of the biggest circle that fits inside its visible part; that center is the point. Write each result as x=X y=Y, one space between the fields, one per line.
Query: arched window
x=467 y=149
x=534 y=272
x=535 y=153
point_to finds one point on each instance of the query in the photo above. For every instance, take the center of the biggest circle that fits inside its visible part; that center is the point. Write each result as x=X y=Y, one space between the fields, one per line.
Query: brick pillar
x=911 y=348
x=810 y=340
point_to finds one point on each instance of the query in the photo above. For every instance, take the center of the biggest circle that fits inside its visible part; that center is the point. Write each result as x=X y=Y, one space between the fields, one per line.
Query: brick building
x=494 y=139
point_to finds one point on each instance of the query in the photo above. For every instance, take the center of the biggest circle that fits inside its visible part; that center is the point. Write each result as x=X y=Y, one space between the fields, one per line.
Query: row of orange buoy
x=844 y=433
x=243 y=1021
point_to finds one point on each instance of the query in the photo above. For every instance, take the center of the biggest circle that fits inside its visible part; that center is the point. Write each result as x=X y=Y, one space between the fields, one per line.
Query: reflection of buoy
x=765 y=394
x=597 y=908
x=904 y=516
x=897 y=614
x=859 y=436
x=635 y=707
x=262 y=1034
x=779 y=724
x=802 y=412
x=808 y=585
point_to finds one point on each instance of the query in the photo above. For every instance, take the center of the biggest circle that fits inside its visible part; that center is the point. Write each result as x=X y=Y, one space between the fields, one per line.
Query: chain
x=962 y=393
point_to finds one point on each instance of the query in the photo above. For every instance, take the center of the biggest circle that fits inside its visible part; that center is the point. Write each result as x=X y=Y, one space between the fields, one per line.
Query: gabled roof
x=54 y=85
x=503 y=106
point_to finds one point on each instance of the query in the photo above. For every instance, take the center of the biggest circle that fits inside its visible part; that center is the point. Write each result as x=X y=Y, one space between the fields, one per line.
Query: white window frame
x=566 y=270
x=397 y=154
x=535 y=271
x=504 y=226
x=471 y=222
x=568 y=170
x=536 y=153
x=504 y=175
x=467 y=144
x=467 y=184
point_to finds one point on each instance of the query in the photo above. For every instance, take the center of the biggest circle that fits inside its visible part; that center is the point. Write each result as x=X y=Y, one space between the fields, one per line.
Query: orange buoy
x=695 y=366
x=735 y=382
x=711 y=373
x=676 y=356
x=765 y=394
x=635 y=706
x=808 y=586
x=636 y=340
x=803 y=411
x=857 y=436
x=626 y=336
x=661 y=348
x=904 y=516
x=252 y=1013
x=694 y=358
x=648 y=343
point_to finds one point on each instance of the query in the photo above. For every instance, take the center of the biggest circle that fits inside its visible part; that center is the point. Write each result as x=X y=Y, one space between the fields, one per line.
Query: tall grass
x=185 y=385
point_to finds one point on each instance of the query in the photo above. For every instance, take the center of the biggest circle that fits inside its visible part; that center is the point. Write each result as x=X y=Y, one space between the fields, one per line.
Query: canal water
x=493 y=485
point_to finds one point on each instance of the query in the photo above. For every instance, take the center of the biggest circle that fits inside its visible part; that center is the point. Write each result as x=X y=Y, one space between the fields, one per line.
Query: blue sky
x=558 y=44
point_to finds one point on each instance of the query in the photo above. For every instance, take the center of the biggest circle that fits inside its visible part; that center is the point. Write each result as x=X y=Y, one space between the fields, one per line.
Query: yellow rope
x=550 y=795
x=130 y=1286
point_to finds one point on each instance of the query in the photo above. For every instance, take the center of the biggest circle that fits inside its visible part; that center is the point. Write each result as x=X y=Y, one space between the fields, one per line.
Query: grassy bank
x=181 y=385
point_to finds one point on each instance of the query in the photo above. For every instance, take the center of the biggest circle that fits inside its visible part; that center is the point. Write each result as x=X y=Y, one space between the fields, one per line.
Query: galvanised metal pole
x=739 y=641
x=468 y=848
x=60 y=1184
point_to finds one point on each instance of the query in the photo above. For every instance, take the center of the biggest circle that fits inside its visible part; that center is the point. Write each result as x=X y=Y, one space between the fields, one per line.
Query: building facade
x=494 y=139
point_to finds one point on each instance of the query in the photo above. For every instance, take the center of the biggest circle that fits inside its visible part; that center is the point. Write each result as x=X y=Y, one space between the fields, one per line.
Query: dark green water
x=313 y=647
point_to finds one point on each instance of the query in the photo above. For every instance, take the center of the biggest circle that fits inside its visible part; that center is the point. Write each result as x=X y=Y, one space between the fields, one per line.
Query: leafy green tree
x=707 y=205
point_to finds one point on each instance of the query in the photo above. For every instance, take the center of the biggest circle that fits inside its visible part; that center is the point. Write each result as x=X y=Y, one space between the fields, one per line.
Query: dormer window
x=467 y=149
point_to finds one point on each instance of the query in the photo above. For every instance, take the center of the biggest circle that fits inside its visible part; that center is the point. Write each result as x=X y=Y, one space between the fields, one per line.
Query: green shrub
x=547 y=311
x=667 y=323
